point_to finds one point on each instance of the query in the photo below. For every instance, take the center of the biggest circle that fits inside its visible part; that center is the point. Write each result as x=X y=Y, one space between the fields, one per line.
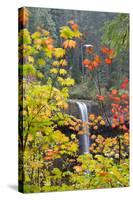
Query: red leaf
x=108 y=61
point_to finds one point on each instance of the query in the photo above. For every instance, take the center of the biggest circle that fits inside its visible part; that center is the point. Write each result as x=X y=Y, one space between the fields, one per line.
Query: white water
x=84 y=139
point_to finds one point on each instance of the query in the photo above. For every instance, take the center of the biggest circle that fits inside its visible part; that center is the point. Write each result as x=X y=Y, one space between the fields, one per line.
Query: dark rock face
x=74 y=110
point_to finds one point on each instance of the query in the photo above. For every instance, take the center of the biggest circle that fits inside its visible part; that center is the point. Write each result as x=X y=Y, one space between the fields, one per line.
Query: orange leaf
x=89 y=50
x=100 y=97
x=69 y=44
x=97 y=59
x=108 y=61
x=103 y=173
x=90 y=67
x=86 y=62
x=47 y=158
x=78 y=168
x=95 y=64
x=50 y=47
x=111 y=53
x=74 y=27
x=48 y=41
x=114 y=92
x=105 y=50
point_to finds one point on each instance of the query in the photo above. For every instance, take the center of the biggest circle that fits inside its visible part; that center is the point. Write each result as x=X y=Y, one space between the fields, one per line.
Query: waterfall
x=84 y=139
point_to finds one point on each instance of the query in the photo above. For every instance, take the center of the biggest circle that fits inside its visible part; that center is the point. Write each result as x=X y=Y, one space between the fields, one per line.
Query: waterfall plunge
x=84 y=139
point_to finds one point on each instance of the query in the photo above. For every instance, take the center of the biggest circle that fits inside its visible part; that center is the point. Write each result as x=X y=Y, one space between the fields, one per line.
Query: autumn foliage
x=50 y=157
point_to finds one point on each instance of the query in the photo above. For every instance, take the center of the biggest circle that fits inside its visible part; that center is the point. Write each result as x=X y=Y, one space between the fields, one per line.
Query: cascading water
x=84 y=139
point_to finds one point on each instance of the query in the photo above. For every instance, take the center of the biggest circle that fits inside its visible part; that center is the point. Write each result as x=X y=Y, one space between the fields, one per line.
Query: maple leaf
x=86 y=62
x=66 y=32
x=55 y=63
x=124 y=84
x=93 y=137
x=121 y=118
x=69 y=81
x=116 y=99
x=77 y=34
x=102 y=122
x=48 y=41
x=108 y=61
x=77 y=168
x=97 y=59
x=50 y=46
x=54 y=71
x=92 y=117
x=103 y=173
x=41 y=61
x=89 y=50
x=111 y=53
x=69 y=44
x=95 y=127
x=90 y=67
x=124 y=96
x=74 y=26
x=62 y=72
x=63 y=62
x=100 y=97
x=30 y=59
x=38 y=41
x=36 y=35
x=48 y=53
x=114 y=91
x=95 y=64
x=47 y=158
x=59 y=52
x=105 y=50
x=45 y=32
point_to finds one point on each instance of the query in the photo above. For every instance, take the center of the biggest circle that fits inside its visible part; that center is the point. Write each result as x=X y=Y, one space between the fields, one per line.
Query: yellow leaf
x=99 y=117
x=77 y=34
x=41 y=61
x=69 y=81
x=30 y=59
x=63 y=62
x=35 y=35
x=55 y=63
x=59 y=52
x=66 y=32
x=62 y=72
x=53 y=71
x=48 y=52
x=102 y=122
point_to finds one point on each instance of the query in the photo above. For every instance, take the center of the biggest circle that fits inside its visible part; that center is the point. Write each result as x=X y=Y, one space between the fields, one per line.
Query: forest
x=73 y=100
